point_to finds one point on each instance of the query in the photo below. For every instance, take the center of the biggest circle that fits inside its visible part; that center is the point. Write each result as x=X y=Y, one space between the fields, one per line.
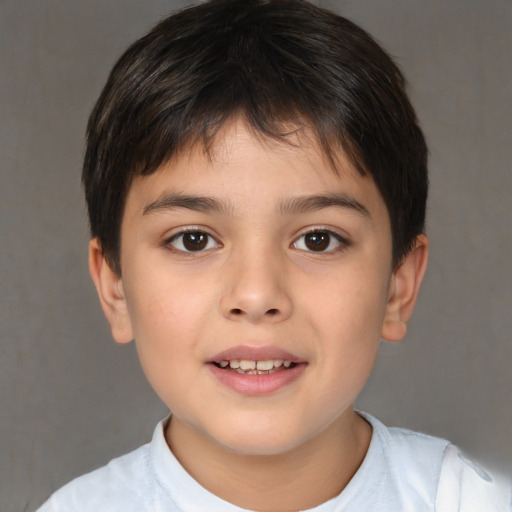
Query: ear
x=110 y=290
x=403 y=290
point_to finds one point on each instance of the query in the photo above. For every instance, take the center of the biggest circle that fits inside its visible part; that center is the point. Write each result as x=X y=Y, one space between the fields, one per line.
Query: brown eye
x=195 y=241
x=192 y=241
x=318 y=241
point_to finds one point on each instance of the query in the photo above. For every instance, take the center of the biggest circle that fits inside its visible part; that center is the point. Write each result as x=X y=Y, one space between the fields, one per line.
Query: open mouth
x=256 y=371
x=249 y=367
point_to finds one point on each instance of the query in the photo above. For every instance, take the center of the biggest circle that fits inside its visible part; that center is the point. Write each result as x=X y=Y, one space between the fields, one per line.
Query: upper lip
x=255 y=353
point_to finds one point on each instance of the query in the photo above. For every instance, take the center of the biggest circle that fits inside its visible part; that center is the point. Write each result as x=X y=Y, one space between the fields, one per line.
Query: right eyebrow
x=198 y=203
x=304 y=204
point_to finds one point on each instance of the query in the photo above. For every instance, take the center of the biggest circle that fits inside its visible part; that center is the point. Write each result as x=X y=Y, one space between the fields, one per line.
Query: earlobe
x=404 y=288
x=109 y=286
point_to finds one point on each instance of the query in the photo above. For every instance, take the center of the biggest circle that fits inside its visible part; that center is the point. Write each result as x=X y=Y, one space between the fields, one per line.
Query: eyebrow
x=305 y=204
x=294 y=205
x=197 y=203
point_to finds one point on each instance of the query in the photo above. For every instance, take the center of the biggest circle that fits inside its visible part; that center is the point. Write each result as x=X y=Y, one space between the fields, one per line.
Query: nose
x=255 y=288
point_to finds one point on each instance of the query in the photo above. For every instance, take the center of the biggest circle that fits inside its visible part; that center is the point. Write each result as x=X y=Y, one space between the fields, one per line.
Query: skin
x=257 y=283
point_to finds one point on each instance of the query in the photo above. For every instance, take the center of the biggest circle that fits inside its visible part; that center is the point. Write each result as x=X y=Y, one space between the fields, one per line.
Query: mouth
x=256 y=370
x=253 y=367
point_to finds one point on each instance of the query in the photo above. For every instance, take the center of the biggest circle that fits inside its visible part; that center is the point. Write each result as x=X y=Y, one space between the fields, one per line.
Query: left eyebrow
x=197 y=203
x=314 y=203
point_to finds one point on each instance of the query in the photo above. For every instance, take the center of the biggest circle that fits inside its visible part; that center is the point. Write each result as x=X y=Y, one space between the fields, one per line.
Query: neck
x=301 y=478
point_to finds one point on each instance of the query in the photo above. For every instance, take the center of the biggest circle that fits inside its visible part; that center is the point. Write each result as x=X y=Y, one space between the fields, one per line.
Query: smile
x=250 y=367
x=256 y=370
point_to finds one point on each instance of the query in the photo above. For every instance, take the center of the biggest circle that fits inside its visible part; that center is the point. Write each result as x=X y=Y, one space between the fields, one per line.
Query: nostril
x=236 y=311
x=272 y=312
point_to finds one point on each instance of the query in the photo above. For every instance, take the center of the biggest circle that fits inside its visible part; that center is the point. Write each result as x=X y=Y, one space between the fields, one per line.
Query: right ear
x=109 y=286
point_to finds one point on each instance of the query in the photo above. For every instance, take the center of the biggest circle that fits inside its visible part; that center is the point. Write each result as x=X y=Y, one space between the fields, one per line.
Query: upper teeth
x=246 y=364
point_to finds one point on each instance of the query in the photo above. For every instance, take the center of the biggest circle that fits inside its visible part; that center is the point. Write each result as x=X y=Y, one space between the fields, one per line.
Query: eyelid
x=344 y=241
x=183 y=230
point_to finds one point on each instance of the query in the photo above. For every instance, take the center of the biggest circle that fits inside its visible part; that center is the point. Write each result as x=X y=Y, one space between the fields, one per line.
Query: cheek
x=164 y=340
x=352 y=301
x=168 y=322
x=167 y=301
x=348 y=314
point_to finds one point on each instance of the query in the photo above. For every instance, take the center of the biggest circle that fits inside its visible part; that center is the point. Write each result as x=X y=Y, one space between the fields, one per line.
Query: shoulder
x=123 y=484
x=467 y=487
x=418 y=448
x=417 y=471
x=410 y=457
x=414 y=464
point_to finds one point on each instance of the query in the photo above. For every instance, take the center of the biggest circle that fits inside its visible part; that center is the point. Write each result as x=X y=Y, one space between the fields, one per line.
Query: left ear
x=403 y=290
x=109 y=286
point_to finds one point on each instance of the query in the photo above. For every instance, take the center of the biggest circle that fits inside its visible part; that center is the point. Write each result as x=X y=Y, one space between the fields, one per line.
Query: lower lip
x=256 y=385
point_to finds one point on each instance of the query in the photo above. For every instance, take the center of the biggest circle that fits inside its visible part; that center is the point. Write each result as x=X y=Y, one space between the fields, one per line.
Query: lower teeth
x=256 y=371
x=253 y=372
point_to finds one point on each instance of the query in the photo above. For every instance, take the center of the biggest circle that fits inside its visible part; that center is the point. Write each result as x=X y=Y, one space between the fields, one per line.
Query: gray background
x=70 y=399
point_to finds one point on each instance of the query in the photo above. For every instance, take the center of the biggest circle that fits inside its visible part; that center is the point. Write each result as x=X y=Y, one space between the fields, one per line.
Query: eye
x=192 y=241
x=320 y=241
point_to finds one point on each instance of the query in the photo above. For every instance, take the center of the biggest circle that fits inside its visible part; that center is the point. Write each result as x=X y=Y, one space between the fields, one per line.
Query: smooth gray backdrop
x=71 y=399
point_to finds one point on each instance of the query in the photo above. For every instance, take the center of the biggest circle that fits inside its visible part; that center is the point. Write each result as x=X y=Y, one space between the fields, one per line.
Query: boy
x=256 y=184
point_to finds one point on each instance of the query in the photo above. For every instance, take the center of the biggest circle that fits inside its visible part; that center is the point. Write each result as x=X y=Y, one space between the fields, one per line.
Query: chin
x=258 y=438
x=259 y=446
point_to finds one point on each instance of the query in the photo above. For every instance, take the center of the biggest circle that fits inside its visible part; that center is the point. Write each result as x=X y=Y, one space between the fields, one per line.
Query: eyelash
x=191 y=231
x=340 y=241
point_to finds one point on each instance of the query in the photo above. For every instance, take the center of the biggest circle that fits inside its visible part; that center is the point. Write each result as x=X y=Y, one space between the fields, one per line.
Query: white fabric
x=403 y=471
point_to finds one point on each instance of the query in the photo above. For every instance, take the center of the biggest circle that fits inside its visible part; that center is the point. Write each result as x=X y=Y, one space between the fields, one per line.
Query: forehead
x=245 y=169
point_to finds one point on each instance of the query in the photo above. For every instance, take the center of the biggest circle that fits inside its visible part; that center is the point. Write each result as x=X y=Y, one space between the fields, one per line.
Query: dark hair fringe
x=278 y=64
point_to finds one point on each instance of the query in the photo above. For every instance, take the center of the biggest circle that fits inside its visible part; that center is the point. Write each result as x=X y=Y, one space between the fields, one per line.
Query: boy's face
x=259 y=253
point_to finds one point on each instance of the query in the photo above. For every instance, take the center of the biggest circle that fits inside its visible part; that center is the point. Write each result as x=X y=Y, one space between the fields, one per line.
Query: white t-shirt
x=403 y=471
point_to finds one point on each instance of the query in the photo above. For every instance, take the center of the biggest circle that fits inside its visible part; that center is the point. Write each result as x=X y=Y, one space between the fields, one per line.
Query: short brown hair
x=275 y=62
